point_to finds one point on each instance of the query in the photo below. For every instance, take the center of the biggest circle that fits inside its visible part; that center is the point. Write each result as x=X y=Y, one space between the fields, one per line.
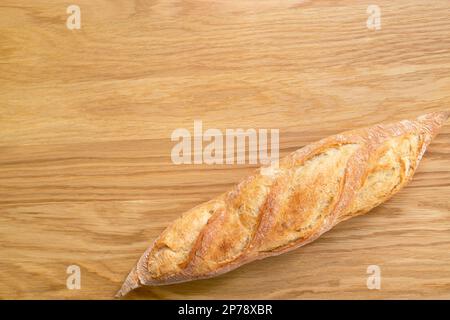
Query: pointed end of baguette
x=436 y=119
x=132 y=282
x=432 y=122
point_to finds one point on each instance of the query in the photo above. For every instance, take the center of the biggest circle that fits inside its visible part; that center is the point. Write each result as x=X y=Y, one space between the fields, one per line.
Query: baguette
x=283 y=207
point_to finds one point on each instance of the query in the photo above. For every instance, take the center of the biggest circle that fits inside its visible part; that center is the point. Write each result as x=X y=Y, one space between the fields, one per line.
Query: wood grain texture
x=86 y=117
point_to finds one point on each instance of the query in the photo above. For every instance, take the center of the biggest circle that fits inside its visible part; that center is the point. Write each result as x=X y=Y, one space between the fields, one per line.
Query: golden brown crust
x=283 y=207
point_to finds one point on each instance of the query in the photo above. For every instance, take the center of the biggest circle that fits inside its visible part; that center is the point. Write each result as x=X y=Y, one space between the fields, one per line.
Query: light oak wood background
x=86 y=117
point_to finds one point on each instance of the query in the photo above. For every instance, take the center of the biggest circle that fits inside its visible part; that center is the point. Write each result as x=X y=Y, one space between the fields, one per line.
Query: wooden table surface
x=86 y=176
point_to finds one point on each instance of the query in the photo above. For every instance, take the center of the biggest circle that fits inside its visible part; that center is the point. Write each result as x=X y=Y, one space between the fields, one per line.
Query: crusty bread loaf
x=289 y=205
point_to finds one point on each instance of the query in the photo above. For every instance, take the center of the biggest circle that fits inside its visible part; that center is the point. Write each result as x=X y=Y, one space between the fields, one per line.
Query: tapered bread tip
x=132 y=282
x=437 y=119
